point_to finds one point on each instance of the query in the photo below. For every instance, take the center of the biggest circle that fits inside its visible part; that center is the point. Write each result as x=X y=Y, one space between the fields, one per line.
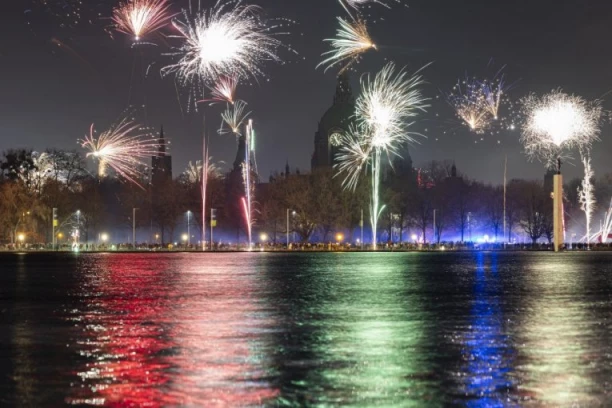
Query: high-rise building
x=334 y=123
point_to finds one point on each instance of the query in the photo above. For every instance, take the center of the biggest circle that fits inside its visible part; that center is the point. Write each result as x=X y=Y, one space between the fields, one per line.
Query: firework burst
x=472 y=105
x=478 y=104
x=230 y=39
x=141 y=17
x=494 y=92
x=558 y=121
x=384 y=111
x=122 y=147
x=224 y=89
x=234 y=117
x=193 y=172
x=352 y=40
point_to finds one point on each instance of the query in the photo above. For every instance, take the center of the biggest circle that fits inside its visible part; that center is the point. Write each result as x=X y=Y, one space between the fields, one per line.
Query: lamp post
x=134 y=227
x=188 y=234
x=54 y=225
x=361 y=226
x=78 y=231
x=292 y=213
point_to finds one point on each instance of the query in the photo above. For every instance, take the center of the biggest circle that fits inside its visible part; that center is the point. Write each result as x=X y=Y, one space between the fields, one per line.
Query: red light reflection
x=165 y=330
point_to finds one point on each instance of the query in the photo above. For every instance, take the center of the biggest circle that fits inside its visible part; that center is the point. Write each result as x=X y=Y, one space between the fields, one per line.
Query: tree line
x=433 y=204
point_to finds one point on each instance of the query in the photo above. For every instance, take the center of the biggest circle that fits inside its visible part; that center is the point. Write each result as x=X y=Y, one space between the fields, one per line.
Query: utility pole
x=505 y=170
x=134 y=227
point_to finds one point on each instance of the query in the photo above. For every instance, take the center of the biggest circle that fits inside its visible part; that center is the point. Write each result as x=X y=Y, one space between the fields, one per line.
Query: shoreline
x=297 y=251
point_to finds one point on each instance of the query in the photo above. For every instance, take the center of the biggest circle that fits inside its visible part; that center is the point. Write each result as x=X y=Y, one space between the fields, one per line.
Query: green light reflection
x=370 y=338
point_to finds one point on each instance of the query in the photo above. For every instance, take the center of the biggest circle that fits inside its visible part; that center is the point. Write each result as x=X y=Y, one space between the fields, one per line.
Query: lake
x=473 y=329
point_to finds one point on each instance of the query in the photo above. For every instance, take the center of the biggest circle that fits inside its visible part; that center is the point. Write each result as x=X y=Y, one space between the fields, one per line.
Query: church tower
x=161 y=163
x=240 y=154
x=334 y=123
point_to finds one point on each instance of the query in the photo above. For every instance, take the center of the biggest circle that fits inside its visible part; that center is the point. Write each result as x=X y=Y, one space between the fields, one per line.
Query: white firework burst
x=352 y=40
x=384 y=111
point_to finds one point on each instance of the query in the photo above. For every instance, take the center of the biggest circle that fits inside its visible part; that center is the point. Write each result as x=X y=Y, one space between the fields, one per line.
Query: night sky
x=50 y=94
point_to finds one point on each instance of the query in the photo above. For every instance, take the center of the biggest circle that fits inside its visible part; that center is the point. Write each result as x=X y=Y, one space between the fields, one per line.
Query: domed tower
x=333 y=124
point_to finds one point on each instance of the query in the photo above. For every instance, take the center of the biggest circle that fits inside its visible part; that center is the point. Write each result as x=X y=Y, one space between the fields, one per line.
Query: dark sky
x=49 y=95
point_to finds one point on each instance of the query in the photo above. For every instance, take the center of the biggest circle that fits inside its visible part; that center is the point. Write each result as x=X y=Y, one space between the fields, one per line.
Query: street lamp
x=292 y=213
x=78 y=231
x=339 y=237
x=188 y=234
x=263 y=237
x=414 y=238
x=104 y=237
x=134 y=227
x=21 y=238
x=185 y=237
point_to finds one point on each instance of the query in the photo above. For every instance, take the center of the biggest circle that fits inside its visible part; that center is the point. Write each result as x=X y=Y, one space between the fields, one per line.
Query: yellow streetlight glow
x=185 y=237
x=263 y=237
x=21 y=237
x=104 y=237
x=339 y=237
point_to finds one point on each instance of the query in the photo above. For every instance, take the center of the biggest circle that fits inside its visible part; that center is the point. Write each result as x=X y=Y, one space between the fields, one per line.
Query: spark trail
x=384 y=111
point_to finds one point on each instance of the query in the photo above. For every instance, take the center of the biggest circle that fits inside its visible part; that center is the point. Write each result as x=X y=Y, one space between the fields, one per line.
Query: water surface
x=324 y=329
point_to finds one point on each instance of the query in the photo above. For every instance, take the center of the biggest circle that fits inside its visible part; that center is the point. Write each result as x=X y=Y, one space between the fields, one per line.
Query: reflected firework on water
x=475 y=329
x=143 y=347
